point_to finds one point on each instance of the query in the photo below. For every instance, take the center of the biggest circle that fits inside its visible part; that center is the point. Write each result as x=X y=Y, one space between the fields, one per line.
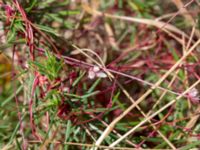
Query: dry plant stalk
x=184 y=12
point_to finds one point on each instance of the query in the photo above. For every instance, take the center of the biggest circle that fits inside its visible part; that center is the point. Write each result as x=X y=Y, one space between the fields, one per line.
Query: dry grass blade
x=111 y=36
x=91 y=145
x=163 y=94
x=154 y=114
x=146 y=116
x=193 y=119
x=183 y=11
x=159 y=24
x=114 y=122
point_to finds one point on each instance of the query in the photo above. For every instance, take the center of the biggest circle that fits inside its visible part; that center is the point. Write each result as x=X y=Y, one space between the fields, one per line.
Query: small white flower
x=91 y=74
x=65 y=89
x=101 y=74
x=96 y=68
x=96 y=72
x=193 y=92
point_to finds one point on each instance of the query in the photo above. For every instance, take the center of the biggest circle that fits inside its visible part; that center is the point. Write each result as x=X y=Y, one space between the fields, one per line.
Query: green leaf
x=31 y=5
x=11 y=35
x=11 y=96
x=68 y=130
x=47 y=29
x=191 y=145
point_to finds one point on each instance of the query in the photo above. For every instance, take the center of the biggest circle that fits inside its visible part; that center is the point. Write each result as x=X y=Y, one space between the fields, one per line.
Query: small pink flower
x=96 y=72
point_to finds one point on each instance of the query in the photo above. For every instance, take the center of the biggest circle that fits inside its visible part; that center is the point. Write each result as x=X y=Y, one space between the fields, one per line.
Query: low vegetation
x=80 y=74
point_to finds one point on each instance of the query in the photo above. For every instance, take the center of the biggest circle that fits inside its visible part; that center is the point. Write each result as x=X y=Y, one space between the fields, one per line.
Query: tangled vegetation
x=97 y=74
